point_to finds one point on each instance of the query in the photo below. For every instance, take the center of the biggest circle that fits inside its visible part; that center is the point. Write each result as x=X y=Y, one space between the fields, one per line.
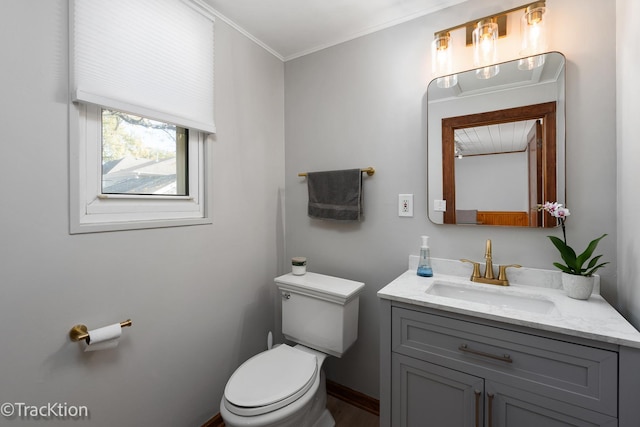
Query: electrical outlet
x=405 y=204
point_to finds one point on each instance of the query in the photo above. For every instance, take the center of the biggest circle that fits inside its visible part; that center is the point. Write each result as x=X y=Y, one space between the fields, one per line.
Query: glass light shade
x=487 y=72
x=531 y=62
x=442 y=60
x=484 y=39
x=534 y=36
x=447 y=81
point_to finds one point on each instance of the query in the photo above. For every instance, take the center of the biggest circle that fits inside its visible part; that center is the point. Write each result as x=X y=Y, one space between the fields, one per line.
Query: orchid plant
x=574 y=263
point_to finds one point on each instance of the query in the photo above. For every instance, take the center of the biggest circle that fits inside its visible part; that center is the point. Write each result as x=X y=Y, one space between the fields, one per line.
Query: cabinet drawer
x=573 y=373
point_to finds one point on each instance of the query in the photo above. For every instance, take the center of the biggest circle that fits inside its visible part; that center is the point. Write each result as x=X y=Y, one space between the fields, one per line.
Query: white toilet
x=285 y=386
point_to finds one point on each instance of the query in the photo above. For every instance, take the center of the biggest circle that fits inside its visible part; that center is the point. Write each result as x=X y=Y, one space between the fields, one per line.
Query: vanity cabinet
x=431 y=395
x=443 y=369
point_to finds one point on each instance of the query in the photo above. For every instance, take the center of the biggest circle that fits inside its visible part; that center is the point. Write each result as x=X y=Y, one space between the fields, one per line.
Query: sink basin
x=493 y=297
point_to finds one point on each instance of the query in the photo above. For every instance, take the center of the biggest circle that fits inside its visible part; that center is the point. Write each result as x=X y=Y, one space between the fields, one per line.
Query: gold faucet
x=488 y=277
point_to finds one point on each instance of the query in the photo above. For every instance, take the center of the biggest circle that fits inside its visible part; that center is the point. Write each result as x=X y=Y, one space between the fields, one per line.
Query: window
x=119 y=191
x=143 y=156
x=141 y=110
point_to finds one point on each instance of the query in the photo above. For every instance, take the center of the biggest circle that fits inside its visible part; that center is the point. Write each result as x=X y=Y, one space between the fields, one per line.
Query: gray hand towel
x=335 y=195
x=465 y=216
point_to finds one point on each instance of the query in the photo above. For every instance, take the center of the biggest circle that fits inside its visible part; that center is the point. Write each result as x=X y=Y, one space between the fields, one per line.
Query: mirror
x=496 y=146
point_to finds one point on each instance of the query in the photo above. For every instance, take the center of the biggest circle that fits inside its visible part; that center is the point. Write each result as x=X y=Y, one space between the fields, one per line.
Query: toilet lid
x=275 y=377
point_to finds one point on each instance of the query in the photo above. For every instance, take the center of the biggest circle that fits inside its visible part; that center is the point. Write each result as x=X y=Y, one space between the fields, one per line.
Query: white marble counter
x=593 y=319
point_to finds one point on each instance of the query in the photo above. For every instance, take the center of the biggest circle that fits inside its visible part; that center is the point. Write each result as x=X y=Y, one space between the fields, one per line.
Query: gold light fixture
x=534 y=36
x=442 y=60
x=485 y=52
x=483 y=34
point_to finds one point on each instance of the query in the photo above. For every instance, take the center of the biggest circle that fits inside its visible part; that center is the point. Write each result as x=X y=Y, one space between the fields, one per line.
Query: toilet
x=285 y=385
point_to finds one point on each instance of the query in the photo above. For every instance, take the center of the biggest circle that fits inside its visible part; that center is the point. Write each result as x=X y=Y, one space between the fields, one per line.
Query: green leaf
x=596 y=268
x=575 y=263
x=566 y=252
x=594 y=261
x=562 y=267
x=587 y=253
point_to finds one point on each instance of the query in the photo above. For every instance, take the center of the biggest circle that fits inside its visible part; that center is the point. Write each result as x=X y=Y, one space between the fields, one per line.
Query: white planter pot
x=578 y=287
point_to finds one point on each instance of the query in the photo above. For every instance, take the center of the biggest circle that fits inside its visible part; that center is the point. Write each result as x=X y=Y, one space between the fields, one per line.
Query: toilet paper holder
x=81 y=332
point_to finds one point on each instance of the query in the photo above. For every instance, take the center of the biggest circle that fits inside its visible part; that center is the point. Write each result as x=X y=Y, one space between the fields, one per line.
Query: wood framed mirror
x=483 y=166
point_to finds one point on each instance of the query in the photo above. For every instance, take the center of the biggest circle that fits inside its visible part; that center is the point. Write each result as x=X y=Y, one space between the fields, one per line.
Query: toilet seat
x=270 y=380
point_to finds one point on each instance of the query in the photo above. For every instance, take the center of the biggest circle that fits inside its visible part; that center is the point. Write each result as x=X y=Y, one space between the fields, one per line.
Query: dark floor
x=347 y=415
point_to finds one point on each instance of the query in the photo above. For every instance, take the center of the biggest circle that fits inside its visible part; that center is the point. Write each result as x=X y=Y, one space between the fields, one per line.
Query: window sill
x=96 y=227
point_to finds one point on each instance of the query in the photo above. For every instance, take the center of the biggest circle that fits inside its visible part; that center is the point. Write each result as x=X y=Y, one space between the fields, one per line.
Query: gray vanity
x=461 y=354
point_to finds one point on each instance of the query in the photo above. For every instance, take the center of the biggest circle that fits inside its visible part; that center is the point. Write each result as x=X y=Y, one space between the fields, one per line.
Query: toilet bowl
x=285 y=386
x=281 y=387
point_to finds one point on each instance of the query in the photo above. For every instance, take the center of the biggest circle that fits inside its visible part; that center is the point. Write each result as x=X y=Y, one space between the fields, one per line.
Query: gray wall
x=502 y=177
x=628 y=206
x=201 y=297
x=362 y=103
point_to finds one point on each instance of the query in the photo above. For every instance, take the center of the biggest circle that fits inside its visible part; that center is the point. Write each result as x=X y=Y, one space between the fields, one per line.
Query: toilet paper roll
x=101 y=346
x=104 y=338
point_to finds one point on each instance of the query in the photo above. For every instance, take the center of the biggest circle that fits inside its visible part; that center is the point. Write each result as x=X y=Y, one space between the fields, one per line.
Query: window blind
x=152 y=58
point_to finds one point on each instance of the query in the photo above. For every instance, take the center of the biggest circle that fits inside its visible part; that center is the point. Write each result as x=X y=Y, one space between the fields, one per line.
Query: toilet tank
x=320 y=311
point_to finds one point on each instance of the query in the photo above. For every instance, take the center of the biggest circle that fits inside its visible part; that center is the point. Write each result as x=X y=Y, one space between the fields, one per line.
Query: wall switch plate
x=405 y=204
x=440 y=205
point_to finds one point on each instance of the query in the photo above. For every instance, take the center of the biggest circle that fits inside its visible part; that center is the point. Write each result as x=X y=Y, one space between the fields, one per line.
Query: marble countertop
x=593 y=319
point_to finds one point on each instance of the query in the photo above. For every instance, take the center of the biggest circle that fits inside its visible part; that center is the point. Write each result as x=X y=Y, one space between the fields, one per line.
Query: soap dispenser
x=424 y=265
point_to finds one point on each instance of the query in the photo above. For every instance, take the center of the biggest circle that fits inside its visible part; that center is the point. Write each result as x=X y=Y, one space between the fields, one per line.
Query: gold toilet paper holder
x=80 y=332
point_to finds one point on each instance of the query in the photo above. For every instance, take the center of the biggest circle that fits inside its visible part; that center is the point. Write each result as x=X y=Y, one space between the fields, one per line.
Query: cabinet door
x=427 y=395
x=510 y=407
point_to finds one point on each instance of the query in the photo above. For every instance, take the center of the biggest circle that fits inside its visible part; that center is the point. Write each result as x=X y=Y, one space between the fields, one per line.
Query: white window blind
x=152 y=58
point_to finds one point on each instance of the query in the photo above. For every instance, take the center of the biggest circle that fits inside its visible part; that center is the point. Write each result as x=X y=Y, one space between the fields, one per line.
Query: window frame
x=92 y=211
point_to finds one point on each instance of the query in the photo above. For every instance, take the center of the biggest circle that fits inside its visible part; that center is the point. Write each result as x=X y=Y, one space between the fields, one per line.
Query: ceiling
x=493 y=139
x=293 y=28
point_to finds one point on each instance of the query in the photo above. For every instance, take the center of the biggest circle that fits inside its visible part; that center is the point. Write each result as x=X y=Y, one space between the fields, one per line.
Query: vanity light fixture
x=483 y=34
x=534 y=36
x=485 y=51
x=442 y=60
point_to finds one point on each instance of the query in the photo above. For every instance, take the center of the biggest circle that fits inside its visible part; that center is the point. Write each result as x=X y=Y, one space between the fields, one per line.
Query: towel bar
x=370 y=171
x=80 y=332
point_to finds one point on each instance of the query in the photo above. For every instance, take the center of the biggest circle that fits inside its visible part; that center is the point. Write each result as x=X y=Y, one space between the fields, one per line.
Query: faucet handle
x=502 y=274
x=476 y=268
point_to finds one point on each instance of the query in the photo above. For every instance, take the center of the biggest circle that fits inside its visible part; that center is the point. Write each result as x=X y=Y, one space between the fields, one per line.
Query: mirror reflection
x=496 y=146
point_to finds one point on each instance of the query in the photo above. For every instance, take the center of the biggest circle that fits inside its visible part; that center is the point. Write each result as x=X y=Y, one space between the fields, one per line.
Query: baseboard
x=353 y=397
x=216 y=421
